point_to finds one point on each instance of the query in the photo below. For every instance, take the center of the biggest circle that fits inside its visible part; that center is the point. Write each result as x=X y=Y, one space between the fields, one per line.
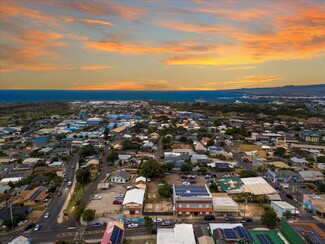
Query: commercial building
x=257 y=186
x=231 y=185
x=193 y=200
x=133 y=203
x=230 y=233
x=114 y=233
x=223 y=205
x=315 y=203
x=181 y=233
x=280 y=207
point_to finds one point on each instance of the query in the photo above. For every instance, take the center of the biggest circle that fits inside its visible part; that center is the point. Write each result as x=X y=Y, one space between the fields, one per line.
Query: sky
x=161 y=44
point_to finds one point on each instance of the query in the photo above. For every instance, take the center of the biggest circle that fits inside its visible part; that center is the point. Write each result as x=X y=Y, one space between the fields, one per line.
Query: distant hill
x=308 y=90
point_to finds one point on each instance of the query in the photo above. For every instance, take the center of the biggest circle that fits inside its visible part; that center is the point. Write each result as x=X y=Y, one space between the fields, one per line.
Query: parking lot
x=104 y=207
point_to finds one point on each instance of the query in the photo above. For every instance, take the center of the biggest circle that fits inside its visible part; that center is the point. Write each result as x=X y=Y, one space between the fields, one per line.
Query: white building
x=181 y=233
x=280 y=207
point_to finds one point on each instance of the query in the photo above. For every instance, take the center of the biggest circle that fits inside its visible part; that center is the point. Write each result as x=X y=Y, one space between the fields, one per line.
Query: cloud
x=238 y=67
x=247 y=14
x=11 y=9
x=104 y=8
x=193 y=27
x=142 y=84
x=89 y=21
x=95 y=67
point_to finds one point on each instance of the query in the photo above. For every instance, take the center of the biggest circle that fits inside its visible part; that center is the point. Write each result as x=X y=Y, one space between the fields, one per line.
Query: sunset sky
x=161 y=44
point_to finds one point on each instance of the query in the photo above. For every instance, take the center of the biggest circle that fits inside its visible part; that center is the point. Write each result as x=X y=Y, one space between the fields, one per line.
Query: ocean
x=73 y=95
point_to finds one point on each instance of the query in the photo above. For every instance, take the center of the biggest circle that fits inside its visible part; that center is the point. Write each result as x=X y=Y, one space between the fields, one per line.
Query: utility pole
x=245 y=208
x=12 y=219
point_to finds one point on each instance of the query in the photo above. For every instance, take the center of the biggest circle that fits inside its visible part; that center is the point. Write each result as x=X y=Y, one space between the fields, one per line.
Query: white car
x=158 y=220
x=47 y=215
x=133 y=225
x=37 y=227
x=22 y=222
x=97 y=197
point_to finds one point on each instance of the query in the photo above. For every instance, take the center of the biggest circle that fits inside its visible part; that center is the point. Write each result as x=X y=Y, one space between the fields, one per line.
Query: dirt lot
x=104 y=207
x=175 y=179
x=154 y=202
x=253 y=210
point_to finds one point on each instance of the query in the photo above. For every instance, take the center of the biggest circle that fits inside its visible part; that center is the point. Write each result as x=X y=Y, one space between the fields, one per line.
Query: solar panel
x=269 y=239
x=35 y=194
x=117 y=234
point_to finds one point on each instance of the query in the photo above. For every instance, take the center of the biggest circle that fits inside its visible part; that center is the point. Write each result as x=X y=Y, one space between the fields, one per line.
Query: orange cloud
x=130 y=85
x=96 y=22
x=11 y=9
x=95 y=67
x=238 y=67
x=105 y=8
x=194 y=28
x=237 y=14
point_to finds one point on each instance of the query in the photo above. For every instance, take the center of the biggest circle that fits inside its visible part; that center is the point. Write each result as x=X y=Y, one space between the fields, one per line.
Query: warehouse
x=223 y=205
x=280 y=207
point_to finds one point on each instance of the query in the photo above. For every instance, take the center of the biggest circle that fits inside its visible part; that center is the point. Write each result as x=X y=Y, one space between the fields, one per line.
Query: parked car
x=230 y=219
x=289 y=196
x=96 y=225
x=28 y=227
x=308 y=210
x=209 y=217
x=97 y=197
x=45 y=200
x=37 y=227
x=133 y=225
x=166 y=223
x=117 y=202
x=47 y=215
x=158 y=220
x=119 y=196
x=126 y=222
x=244 y=220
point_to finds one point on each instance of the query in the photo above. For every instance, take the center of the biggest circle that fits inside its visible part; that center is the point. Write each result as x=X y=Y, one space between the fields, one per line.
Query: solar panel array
x=191 y=191
x=243 y=233
x=117 y=234
x=229 y=234
x=264 y=239
x=35 y=194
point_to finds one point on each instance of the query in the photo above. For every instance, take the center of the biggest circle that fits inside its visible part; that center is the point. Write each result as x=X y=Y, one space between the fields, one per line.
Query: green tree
x=112 y=156
x=287 y=214
x=320 y=159
x=150 y=168
x=148 y=223
x=213 y=187
x=248 y=173
x=210 y=142
x=77 y=211
x=167 y=167
x=86 y=151
x=186 y=168
x=269 y=218
x=165 y=191
x=106 y=133
x=280 y=151
x=83 y=176
x=88 y=215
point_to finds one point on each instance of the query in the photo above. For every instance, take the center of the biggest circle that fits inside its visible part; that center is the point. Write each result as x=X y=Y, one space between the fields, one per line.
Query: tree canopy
x=165 y=191
x=269 y=218
x=150 y=168
x=83 y=176
x=88 y=215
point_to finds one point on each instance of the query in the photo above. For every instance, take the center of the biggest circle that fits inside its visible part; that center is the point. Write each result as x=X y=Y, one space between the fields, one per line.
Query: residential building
x=194 y=200
x=120 y=176
x=312 y=136
x=315 y=203
x=311 y=175
x=31 y=197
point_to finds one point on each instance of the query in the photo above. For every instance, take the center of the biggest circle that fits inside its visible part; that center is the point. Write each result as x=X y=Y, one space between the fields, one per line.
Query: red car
x=116 y=202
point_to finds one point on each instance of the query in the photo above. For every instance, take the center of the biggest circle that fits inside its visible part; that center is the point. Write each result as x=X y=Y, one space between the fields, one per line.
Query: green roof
x=230 y=183
x=273 y=234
